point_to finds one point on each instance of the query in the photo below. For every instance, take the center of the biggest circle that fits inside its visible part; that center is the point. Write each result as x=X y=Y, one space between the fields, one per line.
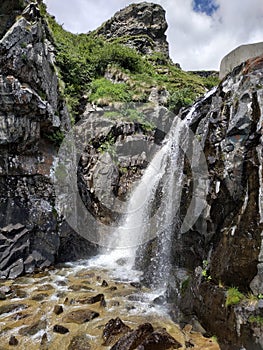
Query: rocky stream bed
x=79 y=307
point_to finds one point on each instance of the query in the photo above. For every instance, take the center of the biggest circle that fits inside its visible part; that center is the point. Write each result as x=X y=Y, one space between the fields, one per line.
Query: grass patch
x=233 y=296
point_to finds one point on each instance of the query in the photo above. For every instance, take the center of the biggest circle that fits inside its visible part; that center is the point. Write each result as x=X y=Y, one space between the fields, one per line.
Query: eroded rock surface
x=141 y=26
x=226 y=241
x=31 y=111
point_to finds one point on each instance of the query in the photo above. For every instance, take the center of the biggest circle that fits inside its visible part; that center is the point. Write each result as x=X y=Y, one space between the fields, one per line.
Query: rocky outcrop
x=226 y=241
x=141 y=26
x=32 y=113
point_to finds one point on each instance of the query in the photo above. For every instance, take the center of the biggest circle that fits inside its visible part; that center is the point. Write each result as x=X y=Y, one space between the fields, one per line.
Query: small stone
x=114 y=303
x=91 y=300
x=44 y=340
x=13 y=341
x=122 y=261
x=79 y=342
x=112 y=289
x=58 y=309
x=60 y=329
x=39 y=297
x=5 y=309
x=33 y=329
x=104 y=284
x=103 y=302
x=2 y=296
x=5 y=290
x=137 y=285
x=80 y=316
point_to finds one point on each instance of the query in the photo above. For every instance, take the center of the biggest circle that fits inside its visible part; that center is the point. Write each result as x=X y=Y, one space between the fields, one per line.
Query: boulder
x=80 y=316
x=113 y=330
x=141 y=26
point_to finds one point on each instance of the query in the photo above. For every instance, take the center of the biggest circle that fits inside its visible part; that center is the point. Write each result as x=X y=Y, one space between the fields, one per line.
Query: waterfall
x=151 y=212
x=146 y=220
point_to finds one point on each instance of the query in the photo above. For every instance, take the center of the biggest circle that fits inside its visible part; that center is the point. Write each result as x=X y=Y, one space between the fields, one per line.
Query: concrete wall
x=239 y=55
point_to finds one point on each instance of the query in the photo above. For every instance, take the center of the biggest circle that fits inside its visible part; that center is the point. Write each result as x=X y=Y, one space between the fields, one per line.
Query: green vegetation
x=104 y=91
x=205 y=269
x=130 y=112
x=233 y=296
x=256 y=319
x=56 y=137
x=185 y=284
x=83 y=60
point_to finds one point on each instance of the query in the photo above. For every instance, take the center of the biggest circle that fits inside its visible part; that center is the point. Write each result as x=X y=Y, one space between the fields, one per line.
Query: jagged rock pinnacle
x=141 y=26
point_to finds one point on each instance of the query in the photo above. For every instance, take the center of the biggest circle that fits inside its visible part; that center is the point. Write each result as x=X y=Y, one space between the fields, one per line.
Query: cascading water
x=146 y=217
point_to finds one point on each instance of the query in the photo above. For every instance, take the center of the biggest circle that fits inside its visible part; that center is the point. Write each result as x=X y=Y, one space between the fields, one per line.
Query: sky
x=200 y=32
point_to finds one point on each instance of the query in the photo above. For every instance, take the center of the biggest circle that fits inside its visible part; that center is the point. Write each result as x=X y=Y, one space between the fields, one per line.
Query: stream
x=45 y=310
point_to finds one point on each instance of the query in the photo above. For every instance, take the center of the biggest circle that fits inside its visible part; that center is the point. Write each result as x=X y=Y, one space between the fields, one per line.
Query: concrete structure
x=239 y=55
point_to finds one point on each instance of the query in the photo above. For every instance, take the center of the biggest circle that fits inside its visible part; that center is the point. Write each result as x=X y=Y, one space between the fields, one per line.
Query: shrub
x=104 y=90
x=233 y=296
x=181 y=98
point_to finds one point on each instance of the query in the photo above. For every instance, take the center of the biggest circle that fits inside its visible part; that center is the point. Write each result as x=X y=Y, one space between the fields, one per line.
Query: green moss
x=185 y=284
x=233 y=296
x=57 y=137
x=256 y=319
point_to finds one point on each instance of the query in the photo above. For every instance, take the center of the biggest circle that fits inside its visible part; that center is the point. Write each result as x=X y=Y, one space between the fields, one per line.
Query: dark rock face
x=141 y=26
x=228 y=235
x=9 y=9
x=31 y=108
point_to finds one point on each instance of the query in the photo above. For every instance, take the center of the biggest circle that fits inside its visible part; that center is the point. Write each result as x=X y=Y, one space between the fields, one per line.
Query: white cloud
x=196 y=40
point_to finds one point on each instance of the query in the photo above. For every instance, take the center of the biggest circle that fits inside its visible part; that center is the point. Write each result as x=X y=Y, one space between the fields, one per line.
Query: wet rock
x=80 y=316
x=5 y=309
x=45 y=287
x=159 y=340
x=5 y=289
x=91 y=300
x=136 y=285
x=112 y=289
x=122 y=261
x=104 y=283
x=134 y=338
x=159 y=300
x=113 y=330
x=103 y=302
x=13 y=341
x=58 y=309
x=20 y=293
x=60 y=329
x=79 y=342
x=2 y=296
x=78 y=287
x=33 y=329
x=39 y=296
x=44 y=342
x=114 y=303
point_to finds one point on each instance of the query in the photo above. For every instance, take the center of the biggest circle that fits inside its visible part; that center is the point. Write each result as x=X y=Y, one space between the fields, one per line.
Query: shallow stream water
x=27 y=314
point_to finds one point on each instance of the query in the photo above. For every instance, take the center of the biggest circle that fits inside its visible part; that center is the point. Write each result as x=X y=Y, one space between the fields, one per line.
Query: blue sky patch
x=205 y=6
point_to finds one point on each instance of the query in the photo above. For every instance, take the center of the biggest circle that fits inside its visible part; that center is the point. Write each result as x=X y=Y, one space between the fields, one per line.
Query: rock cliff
x=141 y=26
x=32 y=111
x=224 y=248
